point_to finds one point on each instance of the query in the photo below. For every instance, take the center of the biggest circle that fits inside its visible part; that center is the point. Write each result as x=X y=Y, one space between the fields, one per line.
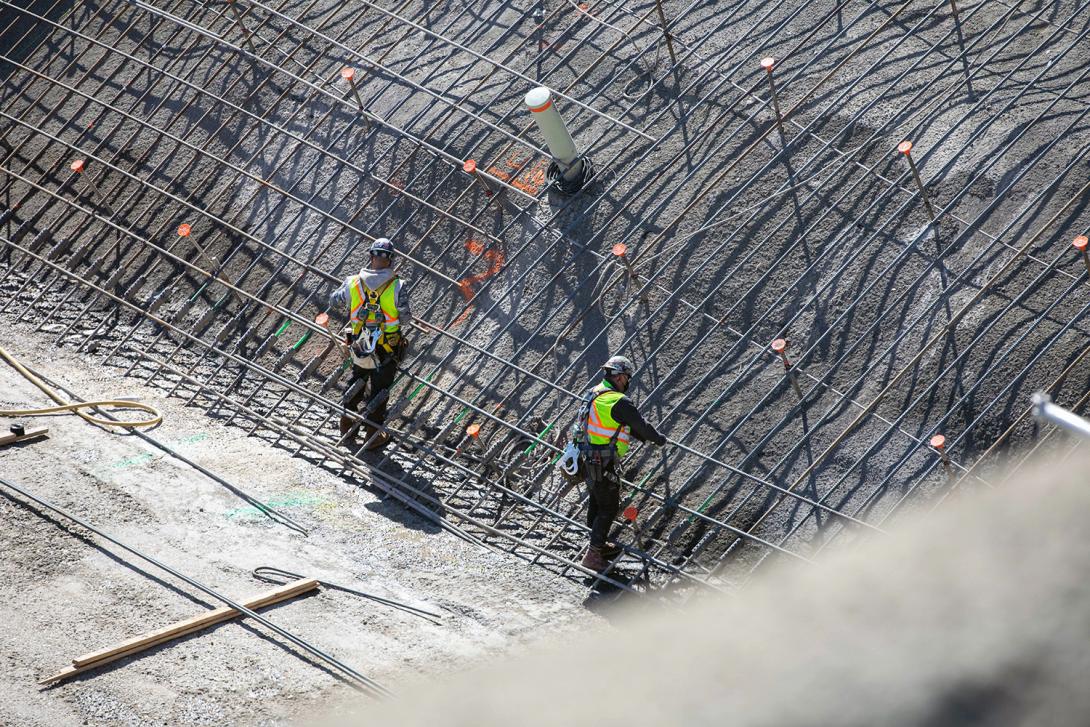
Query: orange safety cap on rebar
x=620 y=249
x=905 y=147
x=184 y=230
x=473 y=430
x=630 y=513
x=322 y=319
x=470 y=166
x=1079 y=243
x=779 y=345
x=768 y=63
x=348 y=73
x=938 y=441
x=77 y=166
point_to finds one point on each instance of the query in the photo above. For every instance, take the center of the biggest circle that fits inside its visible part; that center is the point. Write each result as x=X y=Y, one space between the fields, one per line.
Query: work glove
x=346 y=339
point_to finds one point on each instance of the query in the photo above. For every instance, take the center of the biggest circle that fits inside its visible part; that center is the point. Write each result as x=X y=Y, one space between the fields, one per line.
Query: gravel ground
x=67 y=593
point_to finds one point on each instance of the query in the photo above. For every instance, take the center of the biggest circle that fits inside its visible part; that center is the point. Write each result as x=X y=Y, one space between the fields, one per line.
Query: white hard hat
x=619 y=365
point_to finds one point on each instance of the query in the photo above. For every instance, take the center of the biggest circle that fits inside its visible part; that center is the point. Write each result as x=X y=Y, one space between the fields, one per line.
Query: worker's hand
x=661 y=440
x=402 y=349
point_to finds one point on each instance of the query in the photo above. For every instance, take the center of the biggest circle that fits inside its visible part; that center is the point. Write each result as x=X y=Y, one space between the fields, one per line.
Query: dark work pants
x=367 y=384
x=605 y=499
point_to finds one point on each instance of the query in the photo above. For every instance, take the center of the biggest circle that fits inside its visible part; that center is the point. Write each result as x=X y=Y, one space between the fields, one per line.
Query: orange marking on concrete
x=531 y=180
x=465 y=285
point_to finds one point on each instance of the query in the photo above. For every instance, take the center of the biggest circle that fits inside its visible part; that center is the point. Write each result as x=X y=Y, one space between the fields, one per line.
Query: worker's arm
x=401 y=300
x=625 y=413
x=341 y=300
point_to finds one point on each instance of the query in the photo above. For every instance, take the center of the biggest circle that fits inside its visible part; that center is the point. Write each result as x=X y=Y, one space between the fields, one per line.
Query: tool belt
x=597 y=459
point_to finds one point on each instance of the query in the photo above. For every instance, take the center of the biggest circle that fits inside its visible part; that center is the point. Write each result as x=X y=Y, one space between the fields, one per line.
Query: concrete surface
x=66 y=593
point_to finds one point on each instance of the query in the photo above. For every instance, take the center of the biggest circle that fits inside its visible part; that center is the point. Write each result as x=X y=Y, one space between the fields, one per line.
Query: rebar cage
x=184 y=183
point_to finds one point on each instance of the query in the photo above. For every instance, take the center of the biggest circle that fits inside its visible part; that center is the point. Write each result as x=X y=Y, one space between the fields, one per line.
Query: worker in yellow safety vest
x=610 y=422
x=378 y=311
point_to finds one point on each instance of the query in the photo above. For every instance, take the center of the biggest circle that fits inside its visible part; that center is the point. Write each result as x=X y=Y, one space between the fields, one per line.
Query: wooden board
x=98 y=658
x=12 y=438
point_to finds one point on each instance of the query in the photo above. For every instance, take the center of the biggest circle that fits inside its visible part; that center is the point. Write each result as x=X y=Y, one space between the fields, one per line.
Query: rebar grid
x=919 y=294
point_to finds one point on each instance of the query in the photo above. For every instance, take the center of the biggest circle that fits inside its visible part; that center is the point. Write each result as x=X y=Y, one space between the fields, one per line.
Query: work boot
x=374 y=439
x=348 y=432
x=611 y=551
x=594 y=560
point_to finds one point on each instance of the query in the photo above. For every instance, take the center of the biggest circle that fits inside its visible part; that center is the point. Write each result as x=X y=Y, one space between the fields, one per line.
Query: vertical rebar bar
x=666 y=32
x=242 y=25
x=470 y=168
x=779 y=347
x=905 y=147
x=964 y=54
x=938 y=443
x=349 y=74
x=768 y=64
x=1080 y=244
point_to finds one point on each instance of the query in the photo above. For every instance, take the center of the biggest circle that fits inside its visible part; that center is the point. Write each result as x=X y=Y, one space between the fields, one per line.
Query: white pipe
x=557 y=138
x=1043 y=408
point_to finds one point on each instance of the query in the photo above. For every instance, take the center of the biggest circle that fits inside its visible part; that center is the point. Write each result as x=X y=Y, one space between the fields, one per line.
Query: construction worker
x=611 y=422
x=378 y=311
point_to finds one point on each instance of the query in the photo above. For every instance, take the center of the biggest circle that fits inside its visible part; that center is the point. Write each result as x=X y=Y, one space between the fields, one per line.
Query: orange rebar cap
x=322 y=319
x=184 y=230
x=348 y=73
x=779 y=345
x=768 y=63
x=938 y=441
x=630 y=513
x=620 y=249
x=1079 y=243
x=470 y=166
x=77 y=166
x=905 y=147
x=473 y=430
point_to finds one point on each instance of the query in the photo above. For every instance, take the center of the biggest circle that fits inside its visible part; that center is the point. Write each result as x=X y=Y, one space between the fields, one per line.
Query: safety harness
x=375 y=321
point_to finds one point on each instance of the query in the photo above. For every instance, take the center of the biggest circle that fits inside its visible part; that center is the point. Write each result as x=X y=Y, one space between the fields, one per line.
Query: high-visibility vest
x=601 y=426
x=373 y=307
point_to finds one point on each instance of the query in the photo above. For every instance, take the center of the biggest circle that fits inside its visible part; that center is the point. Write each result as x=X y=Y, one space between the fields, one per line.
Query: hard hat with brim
x=619 y=365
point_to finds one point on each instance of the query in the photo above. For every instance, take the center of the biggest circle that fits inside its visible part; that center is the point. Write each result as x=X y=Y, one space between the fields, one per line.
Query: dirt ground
x=67 y=593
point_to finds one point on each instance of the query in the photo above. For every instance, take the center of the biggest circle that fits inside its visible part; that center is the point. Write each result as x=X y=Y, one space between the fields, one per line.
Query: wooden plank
x=98 y=658
x=12 y=438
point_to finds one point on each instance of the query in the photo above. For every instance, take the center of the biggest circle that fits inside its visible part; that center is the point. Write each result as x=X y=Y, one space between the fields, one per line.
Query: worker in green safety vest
x=378 y=311
x=610 y=421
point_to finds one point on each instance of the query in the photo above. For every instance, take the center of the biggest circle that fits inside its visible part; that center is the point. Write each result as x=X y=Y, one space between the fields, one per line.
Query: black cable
x=361 y=681
x=271 y=574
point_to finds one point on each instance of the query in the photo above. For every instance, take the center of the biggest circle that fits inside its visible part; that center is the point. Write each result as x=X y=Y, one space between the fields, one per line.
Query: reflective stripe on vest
x=387 y=301
x=601 y=426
